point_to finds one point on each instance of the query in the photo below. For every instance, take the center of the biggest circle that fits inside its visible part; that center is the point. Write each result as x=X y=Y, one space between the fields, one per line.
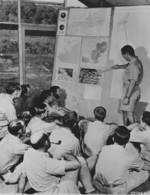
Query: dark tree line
x=30 y=12
x=35 y=48
x=8 y=46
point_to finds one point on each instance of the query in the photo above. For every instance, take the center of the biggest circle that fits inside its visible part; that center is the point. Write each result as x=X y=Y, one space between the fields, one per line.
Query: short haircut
x=128 y=49
x=24 y=89
x=45 y=94
x=11 y=87
x=146 y=117
x=69 y=119
x=53 y=90
x=38 y=109
x=15 y=126
x=121 y=135
x=26 y=117
x=100 y=113
x=40 y=142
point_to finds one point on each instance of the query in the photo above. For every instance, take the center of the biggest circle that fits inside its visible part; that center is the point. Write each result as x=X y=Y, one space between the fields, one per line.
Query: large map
x=94 y=52
x=68 y=51
x=89 y=22
x=81 y=53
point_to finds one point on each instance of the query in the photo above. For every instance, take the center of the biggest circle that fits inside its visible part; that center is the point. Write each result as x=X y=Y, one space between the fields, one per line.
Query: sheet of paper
x=92 y=92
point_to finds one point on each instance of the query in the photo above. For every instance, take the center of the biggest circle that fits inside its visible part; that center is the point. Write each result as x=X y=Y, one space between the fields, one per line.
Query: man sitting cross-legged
x=95 y=135
x=140 y=135
x=70 y=144
x=118 y=171
x=46 y=174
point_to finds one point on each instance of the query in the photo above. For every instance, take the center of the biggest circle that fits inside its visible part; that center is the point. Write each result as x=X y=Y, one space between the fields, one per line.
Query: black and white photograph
x=65 y=74
x=75 y=97
x=90 y=76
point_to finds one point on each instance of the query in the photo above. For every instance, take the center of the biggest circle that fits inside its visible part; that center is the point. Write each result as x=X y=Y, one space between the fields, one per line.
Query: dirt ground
x=12 y=189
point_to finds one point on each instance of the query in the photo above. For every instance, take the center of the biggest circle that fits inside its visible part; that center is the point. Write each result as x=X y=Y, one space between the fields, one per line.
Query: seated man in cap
x=118 y=171
x=46 y=174
x=95 y=135
x=11 y=150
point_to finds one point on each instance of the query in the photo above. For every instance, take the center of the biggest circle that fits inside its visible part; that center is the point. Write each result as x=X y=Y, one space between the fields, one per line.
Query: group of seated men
x=49 y=149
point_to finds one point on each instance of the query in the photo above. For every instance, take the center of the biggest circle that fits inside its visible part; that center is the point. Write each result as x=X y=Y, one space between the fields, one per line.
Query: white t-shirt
x=37 y=124
x=114 y=164
x=44 y=173
x=7 y=112
x=69 y=143
x=142 y=137
x=95 y=137
x=11 y=149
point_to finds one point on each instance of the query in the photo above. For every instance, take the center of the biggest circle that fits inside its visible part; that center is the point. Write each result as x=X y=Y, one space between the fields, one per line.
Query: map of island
x=89 y=22
x=94 y=52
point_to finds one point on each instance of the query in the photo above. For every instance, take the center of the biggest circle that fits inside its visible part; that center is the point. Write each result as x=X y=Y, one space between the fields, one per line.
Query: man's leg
x=135 y=179
x=130 y=118
x=91 y=161
x=85 y=176
x=21 y=184
x=68 y=184
x=125 y=120
x=134 y=99
x=71 y=175
x=99 y=187
x=13 y=177
x=67 y=187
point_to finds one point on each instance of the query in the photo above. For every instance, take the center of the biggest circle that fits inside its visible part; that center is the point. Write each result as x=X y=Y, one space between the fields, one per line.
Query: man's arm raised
x=115 y=67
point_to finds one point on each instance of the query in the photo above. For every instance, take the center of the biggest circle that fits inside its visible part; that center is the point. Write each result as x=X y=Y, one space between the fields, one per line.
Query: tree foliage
x=30 y=12
x=31 y=47
x=8 y=46
x=8 y=11
x=41 y=48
